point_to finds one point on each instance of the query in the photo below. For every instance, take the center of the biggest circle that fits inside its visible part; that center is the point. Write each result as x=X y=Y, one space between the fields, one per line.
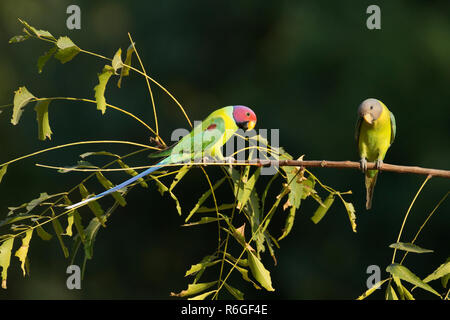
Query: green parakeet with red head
x=205 y=140
x=375 y=133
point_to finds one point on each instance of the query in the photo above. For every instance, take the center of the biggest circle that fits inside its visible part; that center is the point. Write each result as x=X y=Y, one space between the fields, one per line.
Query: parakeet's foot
x=363 y=165
x=207 y=159
x=229 y=160
x=378 y=164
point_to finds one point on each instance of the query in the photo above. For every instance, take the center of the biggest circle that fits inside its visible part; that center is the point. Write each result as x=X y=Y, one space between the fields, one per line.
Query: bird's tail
x=159 y=165
x=370 y=180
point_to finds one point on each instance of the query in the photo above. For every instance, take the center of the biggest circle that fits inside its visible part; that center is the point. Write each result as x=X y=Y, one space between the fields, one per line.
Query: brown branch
x=350 y=165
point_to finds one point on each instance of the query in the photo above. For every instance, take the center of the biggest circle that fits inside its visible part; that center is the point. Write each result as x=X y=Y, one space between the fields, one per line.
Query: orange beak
x=368 y=118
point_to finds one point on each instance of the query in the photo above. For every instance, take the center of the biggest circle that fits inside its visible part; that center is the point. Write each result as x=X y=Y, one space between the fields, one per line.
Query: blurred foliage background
x=303 y=66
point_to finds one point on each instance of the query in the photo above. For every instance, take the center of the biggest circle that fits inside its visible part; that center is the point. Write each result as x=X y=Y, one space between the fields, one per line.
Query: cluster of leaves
x=398 y=273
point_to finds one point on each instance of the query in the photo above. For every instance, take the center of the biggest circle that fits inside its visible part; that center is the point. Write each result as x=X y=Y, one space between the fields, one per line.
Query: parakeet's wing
x=199 y=141
x=358 y=130
x=393 y=127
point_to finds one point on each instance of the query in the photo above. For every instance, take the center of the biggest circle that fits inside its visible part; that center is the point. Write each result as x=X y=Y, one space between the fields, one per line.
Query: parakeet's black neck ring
x=242 y=125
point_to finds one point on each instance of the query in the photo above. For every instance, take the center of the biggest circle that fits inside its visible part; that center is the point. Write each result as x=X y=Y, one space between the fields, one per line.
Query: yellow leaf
x=22 y=252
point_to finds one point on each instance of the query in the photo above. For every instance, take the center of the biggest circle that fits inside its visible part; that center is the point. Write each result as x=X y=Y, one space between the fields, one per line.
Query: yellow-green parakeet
x=375 y=132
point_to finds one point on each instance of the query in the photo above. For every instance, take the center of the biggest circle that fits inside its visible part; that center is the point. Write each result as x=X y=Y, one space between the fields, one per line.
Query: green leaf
x=322 y=210
x=117 y=61
x=259 y=272
x=93 y=205
x=289 y=223
x=390 y=293
x=67 y=50
x=244 y=273
x=38 y=33
x=22 y=252
x=126 y=70
x=234 y=292
x=372 y=289
x=42 y=60
x=405 y=274
x=108 y=185
x=202 y=296
x=5 y=258
x=247 y=188
x=222 y=207
x=409 y=247
x=3 y=172
x=202 y=265
x=19 y=38
x=204 y=197
x=21 y=98
x=44 y=235
x=194 y=288
x=351 y=213
x=100 y=88
x=44 y=130
x=70 y=221
x=441 y=271
x=59 y=231
x=91 y=232
x=181 y=173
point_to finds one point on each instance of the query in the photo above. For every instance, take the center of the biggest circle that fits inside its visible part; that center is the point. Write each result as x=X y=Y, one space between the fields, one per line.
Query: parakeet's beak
x=251 y=125
x=368 y=118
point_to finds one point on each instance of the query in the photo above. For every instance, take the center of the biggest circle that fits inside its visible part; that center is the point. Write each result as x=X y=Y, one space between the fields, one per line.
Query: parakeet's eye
x=371 y=107
x=248 y=114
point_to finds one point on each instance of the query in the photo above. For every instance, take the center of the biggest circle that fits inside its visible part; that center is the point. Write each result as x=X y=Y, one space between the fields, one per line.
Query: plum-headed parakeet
x=205 y=140
x=375 y=132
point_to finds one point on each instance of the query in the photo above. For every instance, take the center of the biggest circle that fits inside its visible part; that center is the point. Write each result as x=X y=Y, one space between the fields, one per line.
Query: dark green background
x=303 y=66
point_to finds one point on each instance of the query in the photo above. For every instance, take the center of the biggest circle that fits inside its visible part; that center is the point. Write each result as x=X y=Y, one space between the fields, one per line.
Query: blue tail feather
x=159 y=165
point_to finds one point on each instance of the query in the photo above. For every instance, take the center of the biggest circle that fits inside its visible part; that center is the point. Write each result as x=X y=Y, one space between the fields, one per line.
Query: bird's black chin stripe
x=243 y=125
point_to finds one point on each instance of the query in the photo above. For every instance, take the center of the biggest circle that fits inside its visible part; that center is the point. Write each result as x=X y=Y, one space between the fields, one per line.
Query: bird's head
x=244 y=117
x=370 y=110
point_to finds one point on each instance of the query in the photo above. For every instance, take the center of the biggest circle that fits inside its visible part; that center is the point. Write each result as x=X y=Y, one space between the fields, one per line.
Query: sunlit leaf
x=289 y=223
x=202 y=265
x=441 y=271
x=372 y=289
x=322 y=210
x=22 y=252
x=21 y=98
x=126 y=70
x=100 y=88
x=351 y=214
x=203 y=296
x=5 y=258
x=44 y=130
x=194 y=288
x=81 y=164
x=181 y=173
x=117 y=61
x=91 y=232
x=108 y=185
x=3 y=172
x=222 y=207
x=67 y=50
x=59 y=231
x=390 y=293
x=409 y=247
x=42 y=60
x=405 y=274
x=259 y=271
x=248 y=187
